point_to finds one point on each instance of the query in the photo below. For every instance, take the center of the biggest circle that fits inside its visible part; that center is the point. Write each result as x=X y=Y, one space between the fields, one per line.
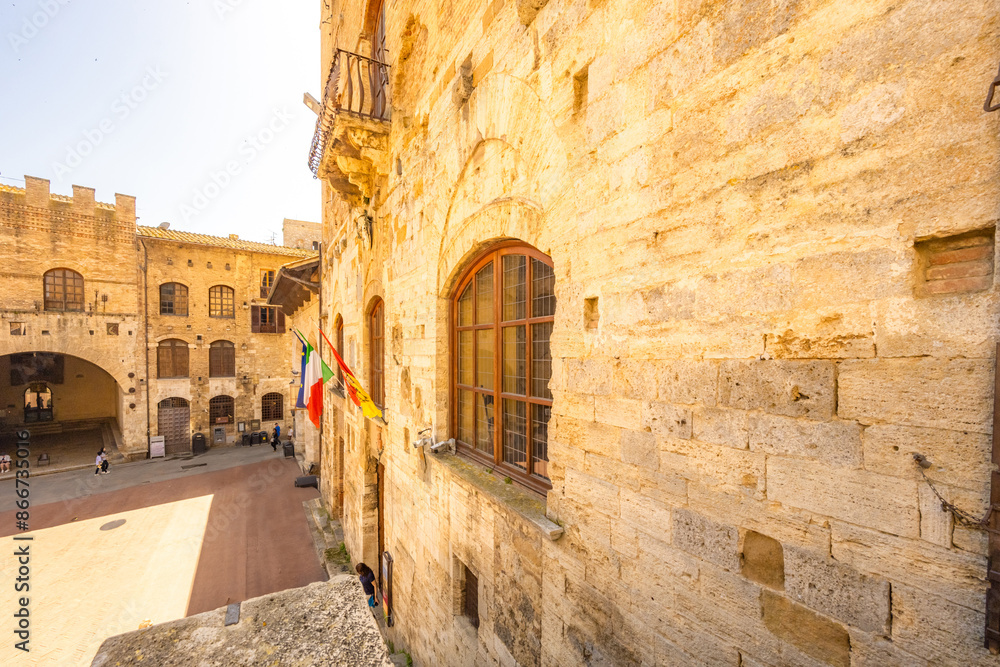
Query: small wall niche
x=957 y=264
x=591 y=313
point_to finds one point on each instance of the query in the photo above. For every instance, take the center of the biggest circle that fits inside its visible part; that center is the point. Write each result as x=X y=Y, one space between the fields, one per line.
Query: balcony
x=350 y=148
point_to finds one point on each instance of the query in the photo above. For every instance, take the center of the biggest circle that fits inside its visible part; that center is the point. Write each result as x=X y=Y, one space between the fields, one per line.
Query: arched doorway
x=71 y=406
x=173 y=420
x=37 y=403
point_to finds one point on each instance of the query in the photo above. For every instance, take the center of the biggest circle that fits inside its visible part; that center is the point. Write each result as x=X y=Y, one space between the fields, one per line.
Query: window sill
x=529 y=505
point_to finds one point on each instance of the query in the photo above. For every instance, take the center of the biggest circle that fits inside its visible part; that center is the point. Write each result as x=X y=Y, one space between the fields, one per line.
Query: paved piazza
x=102 y=563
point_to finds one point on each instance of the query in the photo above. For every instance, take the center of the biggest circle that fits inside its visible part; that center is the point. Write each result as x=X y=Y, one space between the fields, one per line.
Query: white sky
x=152 y=98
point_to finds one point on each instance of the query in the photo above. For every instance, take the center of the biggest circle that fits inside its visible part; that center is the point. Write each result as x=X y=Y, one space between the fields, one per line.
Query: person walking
x=102 y=461
x=5 y=462
x=367 y=582
x=275 y=437
x=98 y=461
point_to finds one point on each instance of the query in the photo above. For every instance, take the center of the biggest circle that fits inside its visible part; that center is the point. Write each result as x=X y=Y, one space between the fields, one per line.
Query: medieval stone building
x=132 y=332
x=690 y=284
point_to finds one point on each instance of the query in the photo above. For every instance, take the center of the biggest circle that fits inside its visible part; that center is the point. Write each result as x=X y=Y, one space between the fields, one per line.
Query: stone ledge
x=525 y=503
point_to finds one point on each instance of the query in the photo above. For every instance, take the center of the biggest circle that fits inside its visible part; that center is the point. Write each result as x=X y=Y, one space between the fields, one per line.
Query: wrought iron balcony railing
x=356 y=85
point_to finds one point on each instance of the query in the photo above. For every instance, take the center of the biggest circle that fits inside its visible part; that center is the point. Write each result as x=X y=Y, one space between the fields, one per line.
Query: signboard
x=222 y=420
x=157 y=446
x=241 y=427
x=254 y=424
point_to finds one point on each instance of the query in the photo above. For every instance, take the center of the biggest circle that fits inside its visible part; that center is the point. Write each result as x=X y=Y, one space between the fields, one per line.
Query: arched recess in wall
x=510 y=152
x=102 y=358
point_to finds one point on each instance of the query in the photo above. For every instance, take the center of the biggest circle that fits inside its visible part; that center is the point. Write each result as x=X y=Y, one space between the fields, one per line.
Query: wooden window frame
x=494 y=254
x=376 y=352
x=219 y=365
x=60 y=283
x=266 y=410
x=266 y=282
x=172 y=344
x=217 y=302
x=175 y=299
x=216 y=407
x=257 y=324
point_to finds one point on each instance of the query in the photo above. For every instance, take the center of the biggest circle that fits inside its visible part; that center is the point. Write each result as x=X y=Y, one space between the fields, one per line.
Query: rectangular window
x=267 y=319
x=221 y=302
x=470 y=597
x=266 y=281
x=18 y=329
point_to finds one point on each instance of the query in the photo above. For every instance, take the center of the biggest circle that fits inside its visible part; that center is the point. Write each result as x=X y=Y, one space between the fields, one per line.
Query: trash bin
x=254 y=438
x=245 y=440
x=265 y=439
x=198 y=444
x=289 y=449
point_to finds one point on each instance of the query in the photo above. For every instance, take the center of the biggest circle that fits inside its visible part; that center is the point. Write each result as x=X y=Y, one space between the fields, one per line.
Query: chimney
x=83 y=200
x=36 y=191
x=125 y=208
x=234 y=237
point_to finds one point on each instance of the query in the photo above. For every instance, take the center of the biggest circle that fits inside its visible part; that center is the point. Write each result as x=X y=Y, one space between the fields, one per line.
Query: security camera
x=450 y=444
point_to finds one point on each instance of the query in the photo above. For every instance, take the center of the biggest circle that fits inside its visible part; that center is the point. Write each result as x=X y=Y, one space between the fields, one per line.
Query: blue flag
x=300 y=402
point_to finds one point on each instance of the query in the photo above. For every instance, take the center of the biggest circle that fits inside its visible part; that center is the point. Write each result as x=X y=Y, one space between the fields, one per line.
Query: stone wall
x=265 y=360
x=772 y=226
x=40 y=231
x=300 y=234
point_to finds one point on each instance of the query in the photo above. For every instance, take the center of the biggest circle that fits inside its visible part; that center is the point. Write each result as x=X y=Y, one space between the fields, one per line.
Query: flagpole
x=320 y=328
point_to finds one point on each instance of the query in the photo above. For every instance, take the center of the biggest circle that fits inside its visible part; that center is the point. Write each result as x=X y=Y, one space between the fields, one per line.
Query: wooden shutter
x=165 y=360
x=255 y=319
x=180 y=360
x=281 y=321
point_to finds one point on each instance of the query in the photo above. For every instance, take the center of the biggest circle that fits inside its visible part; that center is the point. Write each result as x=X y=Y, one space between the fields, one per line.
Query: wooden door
x=174 y=424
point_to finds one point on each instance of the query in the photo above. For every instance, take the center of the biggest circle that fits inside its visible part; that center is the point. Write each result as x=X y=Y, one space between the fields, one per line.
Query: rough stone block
x=812 y=633
x=669 y=488
x=835 y=442
x=624 y=475
x=938 y=630
x=723 y=468
x=957 y=576
x=762 y=560
x=947 y=394
x=959 y=458
x=639 y=448
x=935 y=523
x=719 y=426
x=592 y=492
x=667 y=420
x=622 y=412
x=868 y=650
x=837 y=590
x=792 y=388
x=634 y=378
x=588 y=376
x=651 y=516
x=586 y=436
x=715 y=542
x=884 y=503
x=577 y=406
x=686 y=381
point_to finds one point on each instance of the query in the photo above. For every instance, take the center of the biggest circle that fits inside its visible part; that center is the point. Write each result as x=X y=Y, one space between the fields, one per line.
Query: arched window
x=220 y=410
x=272 y=407
x=222 y=359
x=172 y=359
x=173 y=299
x=502 y=321
x=338 y=327
x=63 y=290
x=376 y=352
x=221 y=302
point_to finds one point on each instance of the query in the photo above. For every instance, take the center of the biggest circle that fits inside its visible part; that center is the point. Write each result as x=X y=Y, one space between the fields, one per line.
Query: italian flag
x=315 y=374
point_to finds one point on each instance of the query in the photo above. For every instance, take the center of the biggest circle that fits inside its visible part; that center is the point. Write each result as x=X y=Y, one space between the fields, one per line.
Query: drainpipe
x=145 y=326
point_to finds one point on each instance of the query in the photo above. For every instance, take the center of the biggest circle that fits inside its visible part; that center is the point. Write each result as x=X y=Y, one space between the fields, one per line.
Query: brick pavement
x=188 y=545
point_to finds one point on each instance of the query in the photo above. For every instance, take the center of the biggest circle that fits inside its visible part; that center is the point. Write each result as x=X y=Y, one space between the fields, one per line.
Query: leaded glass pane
x=515 y=441
x=514 y=361
x=465 y=307
x=543 y=289
x=484 y=359
x=465 y=405
x=541 y=360
x=465 y=358
x=484 y=295
x=515 y=275
x=540 y=415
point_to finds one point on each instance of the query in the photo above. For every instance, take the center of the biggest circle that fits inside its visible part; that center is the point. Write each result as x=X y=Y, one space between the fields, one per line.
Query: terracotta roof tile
x=220 y=241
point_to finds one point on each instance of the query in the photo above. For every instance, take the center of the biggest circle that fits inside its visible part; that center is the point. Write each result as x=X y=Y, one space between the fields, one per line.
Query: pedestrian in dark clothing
x=275 y=437
x=367 y=582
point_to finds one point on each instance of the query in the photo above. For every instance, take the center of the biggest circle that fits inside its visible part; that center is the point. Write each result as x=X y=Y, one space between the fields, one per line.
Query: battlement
x=36 y=194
